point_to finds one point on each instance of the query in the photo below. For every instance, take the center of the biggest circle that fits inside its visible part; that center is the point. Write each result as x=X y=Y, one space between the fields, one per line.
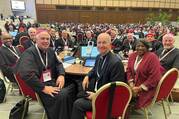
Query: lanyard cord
x=13 y=52
x=46 y=58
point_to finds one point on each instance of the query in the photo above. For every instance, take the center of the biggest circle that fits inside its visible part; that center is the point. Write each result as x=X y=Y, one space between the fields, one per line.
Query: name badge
x=46 y=75
x=66 y=47
x=150 y=49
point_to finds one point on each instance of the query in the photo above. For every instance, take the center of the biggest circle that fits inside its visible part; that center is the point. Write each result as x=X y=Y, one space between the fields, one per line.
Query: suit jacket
x=59 y=44
x=8 y=61
x=113 y=70
x=171 y=60
x=148 y=73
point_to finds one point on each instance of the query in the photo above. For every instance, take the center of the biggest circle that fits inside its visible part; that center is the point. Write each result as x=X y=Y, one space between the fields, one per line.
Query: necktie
x=100 y=65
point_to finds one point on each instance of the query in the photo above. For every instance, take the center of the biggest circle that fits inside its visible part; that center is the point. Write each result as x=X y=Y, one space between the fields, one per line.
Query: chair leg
x=146 y=113
x=168 y=104
x=44 y=115
x=171 y=97
x=164 y=109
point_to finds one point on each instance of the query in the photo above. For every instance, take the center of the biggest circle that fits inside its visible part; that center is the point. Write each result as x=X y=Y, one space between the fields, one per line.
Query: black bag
x=2 y=90
x=20 y=110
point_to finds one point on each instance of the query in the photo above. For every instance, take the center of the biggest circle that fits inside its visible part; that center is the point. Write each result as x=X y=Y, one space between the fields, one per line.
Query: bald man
x=108 y=68
x=41 y=70
x=169 y=54
x=9 y=56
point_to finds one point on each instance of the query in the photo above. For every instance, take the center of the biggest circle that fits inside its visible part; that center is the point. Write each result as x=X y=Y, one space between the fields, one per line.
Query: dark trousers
x=80 y=106
x=60 y=106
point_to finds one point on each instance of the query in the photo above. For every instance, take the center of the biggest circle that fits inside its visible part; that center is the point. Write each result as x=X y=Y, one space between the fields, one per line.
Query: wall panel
x=70 y=2
x=116 y=3
x=90 y=2
x=49 y=13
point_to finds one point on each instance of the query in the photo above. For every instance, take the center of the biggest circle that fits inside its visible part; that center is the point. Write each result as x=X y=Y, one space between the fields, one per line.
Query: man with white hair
x=41 y=70
x=31 y=41
x=169 y=54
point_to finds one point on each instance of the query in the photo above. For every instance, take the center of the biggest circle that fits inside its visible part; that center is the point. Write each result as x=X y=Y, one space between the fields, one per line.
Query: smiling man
x=108 y=68
x=41 y=70
x=9 y=56
x=168 y=55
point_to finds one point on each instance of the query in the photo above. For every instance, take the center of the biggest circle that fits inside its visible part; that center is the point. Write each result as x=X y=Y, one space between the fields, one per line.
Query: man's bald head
x=104 y=43
x=105 y=36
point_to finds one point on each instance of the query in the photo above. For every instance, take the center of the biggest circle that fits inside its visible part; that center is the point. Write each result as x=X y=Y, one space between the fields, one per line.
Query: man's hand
x=60 y=81
x=51 y=90
x=85 y=82
x=91 y=95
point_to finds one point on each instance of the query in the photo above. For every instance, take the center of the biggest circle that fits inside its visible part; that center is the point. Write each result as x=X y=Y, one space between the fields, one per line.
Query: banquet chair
x=24 y=88
x=110 y=101
x=21 y=48
x=163 y=91
x=23 y=39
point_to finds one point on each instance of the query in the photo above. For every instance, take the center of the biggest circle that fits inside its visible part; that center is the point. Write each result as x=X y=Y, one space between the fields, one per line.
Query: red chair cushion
x=88 y=115
x=24 y=88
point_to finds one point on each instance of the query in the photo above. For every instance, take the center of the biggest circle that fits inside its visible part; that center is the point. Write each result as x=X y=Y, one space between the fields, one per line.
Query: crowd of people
x=150 y=52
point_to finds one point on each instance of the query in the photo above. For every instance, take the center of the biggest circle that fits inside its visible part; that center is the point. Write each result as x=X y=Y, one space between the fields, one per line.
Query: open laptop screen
x=89 y=52
x=89 y=62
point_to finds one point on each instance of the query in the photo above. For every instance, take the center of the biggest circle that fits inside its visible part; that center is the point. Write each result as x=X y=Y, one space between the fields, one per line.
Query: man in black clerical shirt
x=41 y=70
x=108 y=68
x=9 y=55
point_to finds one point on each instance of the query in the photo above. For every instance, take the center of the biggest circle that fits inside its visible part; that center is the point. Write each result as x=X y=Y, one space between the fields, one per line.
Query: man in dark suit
x=108 y=68
x=64 y=42
x=9 y=55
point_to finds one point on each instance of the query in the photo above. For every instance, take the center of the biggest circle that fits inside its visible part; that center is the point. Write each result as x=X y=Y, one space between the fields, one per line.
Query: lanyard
x=161 y=58
x=46 y=59
x=136 y=64
x=65 y=41
x=130 y=46
x=13 y=52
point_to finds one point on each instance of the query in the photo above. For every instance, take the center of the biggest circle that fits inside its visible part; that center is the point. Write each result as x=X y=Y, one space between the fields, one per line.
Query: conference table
x=78 y=68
